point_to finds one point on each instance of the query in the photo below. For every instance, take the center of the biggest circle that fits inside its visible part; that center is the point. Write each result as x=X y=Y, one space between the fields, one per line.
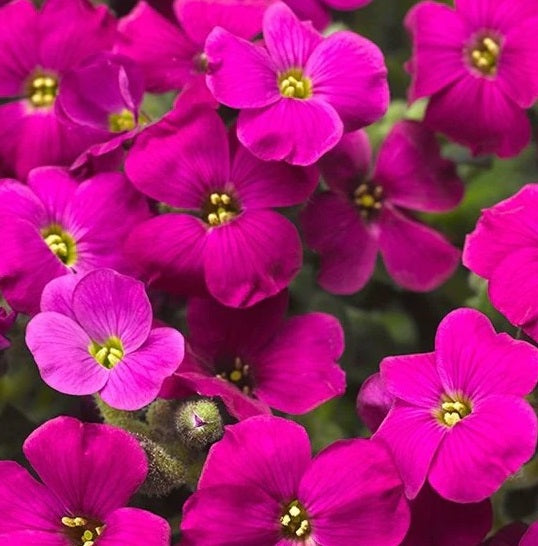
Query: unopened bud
x=199 y=423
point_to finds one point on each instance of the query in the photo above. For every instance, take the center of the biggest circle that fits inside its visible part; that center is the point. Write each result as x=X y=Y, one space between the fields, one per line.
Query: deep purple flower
x=260 y=485
x=509 y=535
x=255 y=360
x=438 y=522
x=37 y=48
x=503 y=249
x=530 y=538
x=460 y=420
x=300 y=91
x=88 y=473
x=94 y=334
x=6 y=322
x=365 y=213
x=226 y=239
x=55 y=226
x=474 y=59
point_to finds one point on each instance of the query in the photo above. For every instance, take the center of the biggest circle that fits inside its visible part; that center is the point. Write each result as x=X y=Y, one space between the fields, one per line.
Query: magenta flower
x=318 y=11
x=37 y=48
x=365 y=213
x=56 y=226
x=474 y=59
x=509 y=535
x=255 y=360
x=460 y=420
x=263 y=470
x=503 y=249
x=7 y=320
x=438 y=522
x=373 y=402
x=299 y=93
x=231 y=243
x=94 y=334
x=88 y=473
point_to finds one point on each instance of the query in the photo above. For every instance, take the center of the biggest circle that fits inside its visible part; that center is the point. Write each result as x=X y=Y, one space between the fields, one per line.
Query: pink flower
x=94 y=334
x=55 y=226
x=7 y=320
x=460 y=420
x=263 y=471
x=365 y=213
x=503 y=249
x=37 y=48
x=318 y=11
x=255 y=360
x=225 y=238
x=472 y=60
x=373 y=402
x=88 y=473
x=438 y=522
x=300 y=91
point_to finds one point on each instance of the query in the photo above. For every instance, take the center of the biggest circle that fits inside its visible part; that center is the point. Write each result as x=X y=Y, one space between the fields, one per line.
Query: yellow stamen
x=121 y=121
x=220 y=209
x=294 y=84
x=42 y=90
x=484 y=55
x=453 y=409
x=108 y=354
x=295 y=521
x=369 y=199
x=61 y=243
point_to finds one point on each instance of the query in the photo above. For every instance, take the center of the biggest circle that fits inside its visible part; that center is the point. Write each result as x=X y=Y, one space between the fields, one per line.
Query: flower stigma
x=453 y=409
x=239 y=375
x=484 y=55
x=121 y=121
x=61 y=243
x=109 y=354
x=295 y=523
x=42 y=90
x=82 y=531
x=220 y=209
x=369 y=199
x=294 y=85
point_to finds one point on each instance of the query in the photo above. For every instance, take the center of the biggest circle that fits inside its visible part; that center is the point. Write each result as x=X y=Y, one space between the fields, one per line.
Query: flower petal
x=373 y=402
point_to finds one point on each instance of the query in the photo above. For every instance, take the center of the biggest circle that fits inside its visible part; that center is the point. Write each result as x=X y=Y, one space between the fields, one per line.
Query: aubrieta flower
x=503 y=249
x=224 y=238
x=364 y=212
x=438 y=522
x=55 y=226
x=260 y=485
x=254 y=359
x=373 y=402
x=6 y=322
x=459 y=420
x=472 y=60
x=318 y=11
x=95 y=335
x=88 y=473
x=37 y=48
x=298 y=92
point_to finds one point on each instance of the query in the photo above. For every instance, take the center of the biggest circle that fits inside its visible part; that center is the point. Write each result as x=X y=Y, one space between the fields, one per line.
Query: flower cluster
x=124 y=224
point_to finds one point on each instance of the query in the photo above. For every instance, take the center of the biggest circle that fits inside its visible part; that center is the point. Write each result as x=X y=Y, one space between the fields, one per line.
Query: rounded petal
x=373 y=402
x=240 y=74
x=413 y=435
x=311 y=10
x=251 y=258
x=60 y=348
x=277 y=132
x=263 y=452
x=349 y=72
x=350 y=491
x=416 y=257
x=297 y=370
x=58 y=295
x=483 y=449
x=472 y=358
x=136 y=381
x=412 y=172
x=348 y=249
x=92 y=468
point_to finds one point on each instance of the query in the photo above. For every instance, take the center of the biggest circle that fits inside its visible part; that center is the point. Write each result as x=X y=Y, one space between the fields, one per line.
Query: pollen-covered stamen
x=201 y=63
x=295 y=522
x=240 y=376
x=121 y=121
x=294 y=84
x=220 y=208
x=61 y=243
x=82 y=531
x=109 y=354
x=484 y=55
x=453 y=409
x=42 y=90
x=369 y=199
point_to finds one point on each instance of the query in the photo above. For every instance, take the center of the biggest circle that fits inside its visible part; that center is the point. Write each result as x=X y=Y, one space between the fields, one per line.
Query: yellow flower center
x=294 y=85
x=42 y=90
x=61 y=243
x=82 y=531
x=484 y=55
x=369 y=199
x=121 y=121
x=109 y=353
x=453 y=409
x=294 y=521
x=220 y=208
x=239 y=376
